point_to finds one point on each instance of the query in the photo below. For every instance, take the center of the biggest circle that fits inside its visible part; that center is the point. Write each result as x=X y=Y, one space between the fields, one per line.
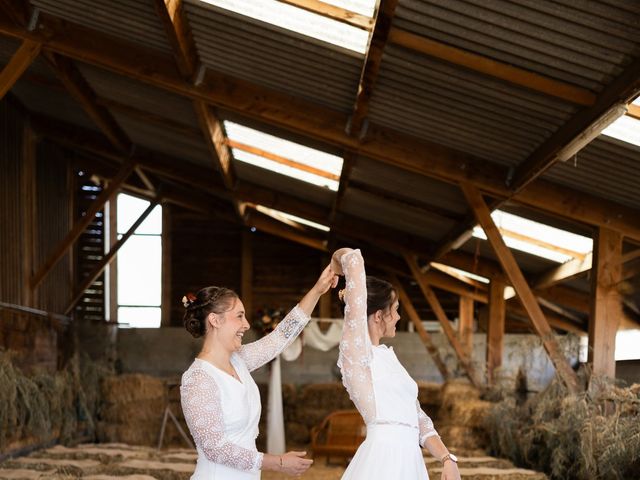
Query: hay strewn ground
x=123 y=462
x=593 y=435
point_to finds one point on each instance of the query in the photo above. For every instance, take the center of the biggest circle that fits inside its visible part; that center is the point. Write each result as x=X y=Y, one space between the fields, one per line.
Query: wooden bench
x=339 y=435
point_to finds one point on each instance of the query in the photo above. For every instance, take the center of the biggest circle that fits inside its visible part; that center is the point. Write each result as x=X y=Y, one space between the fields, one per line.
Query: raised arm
x=200 y=397
x=258 y=353
x=355 y=354
x=426 y=425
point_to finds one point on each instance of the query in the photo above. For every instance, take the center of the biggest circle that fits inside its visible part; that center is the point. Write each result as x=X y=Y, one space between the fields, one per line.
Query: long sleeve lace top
x=380 y=388
x=222 y=413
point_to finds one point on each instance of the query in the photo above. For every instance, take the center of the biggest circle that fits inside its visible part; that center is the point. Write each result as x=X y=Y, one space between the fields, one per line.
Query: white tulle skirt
x=388 y=452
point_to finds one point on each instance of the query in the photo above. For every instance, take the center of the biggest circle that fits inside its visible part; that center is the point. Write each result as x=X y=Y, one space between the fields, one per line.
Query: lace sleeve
x=203 y=413
x=355 y=354
x=426 y=425
x=256 y=354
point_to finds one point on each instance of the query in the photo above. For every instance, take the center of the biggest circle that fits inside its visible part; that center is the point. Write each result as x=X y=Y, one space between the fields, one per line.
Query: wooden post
x=167 y=293
x=444 y=321
x=24 y=56
x=495 y=328
x=83 y=223
x=246 y=290
x=528 y=300
x=89 y=279
x=606 y=301
x=113 y=266
x=427 y=341
x=465 y=327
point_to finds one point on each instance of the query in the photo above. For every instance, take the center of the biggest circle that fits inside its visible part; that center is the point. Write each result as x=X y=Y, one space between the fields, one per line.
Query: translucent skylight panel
x=527 y=247
x=284 y=148
x=628 y=345
x=470 y=275
x=287 y=217
x=544 y=233
x=282 y=169
x=298 y=20
x=625 y=128
x=363 y=7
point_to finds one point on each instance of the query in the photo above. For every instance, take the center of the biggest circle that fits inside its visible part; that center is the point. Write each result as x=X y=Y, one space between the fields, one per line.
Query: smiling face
x=230 y=326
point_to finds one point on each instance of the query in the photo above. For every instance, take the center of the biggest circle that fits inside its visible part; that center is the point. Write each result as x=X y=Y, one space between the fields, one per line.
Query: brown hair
x=208 y=300
x=380 y=295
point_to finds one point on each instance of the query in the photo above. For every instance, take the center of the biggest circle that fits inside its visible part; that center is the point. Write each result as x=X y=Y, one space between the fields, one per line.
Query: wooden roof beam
x=82 y=92
x=529 y=302
x=297 y=115
x=333 y=12
x=493 y=68
x=24 y=56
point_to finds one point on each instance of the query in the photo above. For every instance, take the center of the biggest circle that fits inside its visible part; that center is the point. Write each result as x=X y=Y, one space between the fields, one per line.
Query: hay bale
x=473 y=462
x=469 y=413
x=132 y=387
x=119 y=477
x=159 y=470
x=63 y=467
x=25 y=474
x=461 y=437
x=327 y=396
x=484 y=473
x=455 y=391
x=430 y=394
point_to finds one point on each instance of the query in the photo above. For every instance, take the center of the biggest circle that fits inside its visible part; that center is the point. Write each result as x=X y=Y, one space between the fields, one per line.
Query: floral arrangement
x=266 y=320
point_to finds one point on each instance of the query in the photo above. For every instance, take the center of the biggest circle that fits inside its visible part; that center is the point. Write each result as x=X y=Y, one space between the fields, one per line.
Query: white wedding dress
x=222 y=413
x=382 y=391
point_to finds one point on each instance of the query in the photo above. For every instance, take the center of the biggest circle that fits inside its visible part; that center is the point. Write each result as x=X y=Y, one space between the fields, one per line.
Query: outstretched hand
x=328 y=279
x=294 y=463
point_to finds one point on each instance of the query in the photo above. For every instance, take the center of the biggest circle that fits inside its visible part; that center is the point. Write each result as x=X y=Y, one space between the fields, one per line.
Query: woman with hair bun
x=220 y=399
x=379 y=386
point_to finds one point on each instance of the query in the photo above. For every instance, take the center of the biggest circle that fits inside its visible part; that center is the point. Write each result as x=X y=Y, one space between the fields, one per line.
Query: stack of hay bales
x=132 y=409
x=462 y=417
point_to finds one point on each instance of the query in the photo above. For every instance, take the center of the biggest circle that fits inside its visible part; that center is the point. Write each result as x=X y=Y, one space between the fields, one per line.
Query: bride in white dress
x=220 y=399
x=381 y=389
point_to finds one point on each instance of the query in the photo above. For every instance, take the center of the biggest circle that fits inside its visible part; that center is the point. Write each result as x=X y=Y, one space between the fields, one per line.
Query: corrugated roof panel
x=606 y=168
x=139 y=95
x=565 y=43
x=53 y=103
x=39 y=67
x=406 y=185
x=462 y=109
x=394 y=214
x=133 y=20
x=166 y=141
x=274 y=57
x=280 y=183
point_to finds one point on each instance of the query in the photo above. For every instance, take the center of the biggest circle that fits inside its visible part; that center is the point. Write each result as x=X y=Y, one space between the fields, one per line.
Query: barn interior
x=483 y=156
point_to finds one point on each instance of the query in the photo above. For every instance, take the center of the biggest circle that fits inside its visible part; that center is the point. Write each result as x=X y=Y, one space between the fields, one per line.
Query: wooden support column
x=427 y=341
x=20 y=61
x=108 y=258
x=113 y=266
x=444 y=321
x=528 y=300
x=106 y=195
x=495 y=328
x=465 y=326
x=246 y=290
x=606 y=301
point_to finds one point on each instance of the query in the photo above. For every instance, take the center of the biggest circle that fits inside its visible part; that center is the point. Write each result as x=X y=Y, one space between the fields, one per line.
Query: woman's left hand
x=328 y=279
x=450 y=471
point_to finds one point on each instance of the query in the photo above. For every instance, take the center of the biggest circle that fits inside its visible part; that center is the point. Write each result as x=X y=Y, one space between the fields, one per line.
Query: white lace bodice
x=379 y=386
x=222 y=413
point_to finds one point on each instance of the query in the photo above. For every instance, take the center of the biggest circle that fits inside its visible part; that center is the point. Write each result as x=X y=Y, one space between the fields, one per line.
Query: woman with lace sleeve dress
x=220 y=399
x=381 y=389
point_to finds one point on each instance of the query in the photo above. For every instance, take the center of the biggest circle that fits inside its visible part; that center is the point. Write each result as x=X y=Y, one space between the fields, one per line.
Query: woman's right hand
x=336 y=264
x=294 y=463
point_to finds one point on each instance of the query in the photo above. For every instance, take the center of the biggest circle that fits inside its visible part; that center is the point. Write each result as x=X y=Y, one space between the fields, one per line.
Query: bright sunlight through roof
x=538 y=239
x=304 y=22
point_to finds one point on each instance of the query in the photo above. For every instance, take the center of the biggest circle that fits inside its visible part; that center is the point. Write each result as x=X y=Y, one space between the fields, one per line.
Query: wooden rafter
x=427 y=341
x=563 y=272
x=82 y=224
x=24 y=56
x=403 y=151
x=82 y=92
x=177 y=29
x=279 y=229
x=333 y=12
x=435 y=305
x=107 y=259
x=493 y=68
x=280 y=159
x=528 y=300
x=622 y=90
x=348 y=162
x=371 y=67
x=633 y=111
